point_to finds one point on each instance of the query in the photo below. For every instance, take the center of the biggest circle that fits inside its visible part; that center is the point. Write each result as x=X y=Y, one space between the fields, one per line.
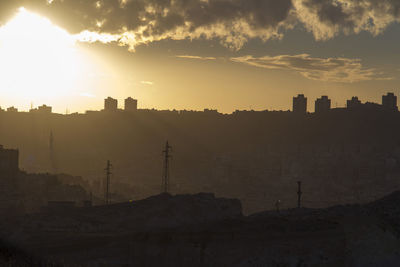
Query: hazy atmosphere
x=199 y=133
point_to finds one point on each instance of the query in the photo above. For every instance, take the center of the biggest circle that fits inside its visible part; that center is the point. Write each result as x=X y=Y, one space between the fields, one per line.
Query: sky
x=196 y=54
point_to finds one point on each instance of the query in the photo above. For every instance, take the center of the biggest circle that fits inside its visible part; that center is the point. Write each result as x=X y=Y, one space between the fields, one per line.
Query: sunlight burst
x=38 y=60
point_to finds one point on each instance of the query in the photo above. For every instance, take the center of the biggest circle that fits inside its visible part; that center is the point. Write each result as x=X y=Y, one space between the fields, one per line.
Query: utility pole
x=299 y=195
x=107 y=189
x=52 y=153
x=277 y=204
x=165 y=178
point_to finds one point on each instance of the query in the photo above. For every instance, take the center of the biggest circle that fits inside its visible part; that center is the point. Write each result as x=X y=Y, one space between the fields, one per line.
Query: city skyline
x=299 y=105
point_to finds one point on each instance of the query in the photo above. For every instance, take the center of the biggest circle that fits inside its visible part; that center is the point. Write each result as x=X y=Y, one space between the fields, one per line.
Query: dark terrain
x=200 y=230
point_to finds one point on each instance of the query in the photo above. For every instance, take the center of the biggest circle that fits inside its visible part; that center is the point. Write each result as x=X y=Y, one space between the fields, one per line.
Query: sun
x=38 y=60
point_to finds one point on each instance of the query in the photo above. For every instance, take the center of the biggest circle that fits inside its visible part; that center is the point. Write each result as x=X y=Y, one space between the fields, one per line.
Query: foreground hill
x=201 y=230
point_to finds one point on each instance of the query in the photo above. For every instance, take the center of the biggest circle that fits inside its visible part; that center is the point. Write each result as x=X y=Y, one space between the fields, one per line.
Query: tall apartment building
x=300 y=104
x=110 y=104
x=322 y=104
x=389 y=102
x=130 y=104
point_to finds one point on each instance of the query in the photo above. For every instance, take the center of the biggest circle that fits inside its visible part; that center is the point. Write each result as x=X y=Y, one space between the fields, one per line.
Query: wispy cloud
x=86 y=94
x=146 y=82
x=195 y=57
x=345 y=70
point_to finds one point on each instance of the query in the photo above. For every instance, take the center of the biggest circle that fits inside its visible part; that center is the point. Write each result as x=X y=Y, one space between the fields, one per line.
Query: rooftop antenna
x=108 y=176
x=165 y=178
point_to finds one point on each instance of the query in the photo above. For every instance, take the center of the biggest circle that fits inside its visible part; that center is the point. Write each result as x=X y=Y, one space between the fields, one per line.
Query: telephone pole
x=52 y=154
x=107 y=189
x=165 y=178
x=299 y=195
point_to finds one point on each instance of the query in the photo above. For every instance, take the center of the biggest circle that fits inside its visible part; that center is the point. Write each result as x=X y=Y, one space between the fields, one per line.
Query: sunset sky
x=196 y=54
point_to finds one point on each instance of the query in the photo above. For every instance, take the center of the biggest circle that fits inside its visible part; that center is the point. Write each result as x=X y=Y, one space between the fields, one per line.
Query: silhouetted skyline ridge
x=321 y=105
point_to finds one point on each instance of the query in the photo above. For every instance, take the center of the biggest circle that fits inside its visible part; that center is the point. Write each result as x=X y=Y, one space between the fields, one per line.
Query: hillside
x=201 y=230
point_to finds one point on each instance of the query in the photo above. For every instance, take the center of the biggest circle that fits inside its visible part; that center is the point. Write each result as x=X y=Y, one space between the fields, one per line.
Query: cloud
x=196 y=57
x=328 y=18
x=146 y=83
x=135 y=22
x=233 y=22
x=322 y=69
x=86 y=94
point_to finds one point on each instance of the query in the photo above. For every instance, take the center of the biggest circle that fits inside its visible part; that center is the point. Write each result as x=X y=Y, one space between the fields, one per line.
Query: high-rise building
x=110 y=104
x=354 y=102
x=130 y=104
x=389 y=102
x=322 y=104
x=8 y=162
x=300 y=104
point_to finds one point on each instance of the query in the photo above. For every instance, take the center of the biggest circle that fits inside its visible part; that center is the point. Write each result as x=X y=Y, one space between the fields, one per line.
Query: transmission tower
x=107 y=189
x=165 y=178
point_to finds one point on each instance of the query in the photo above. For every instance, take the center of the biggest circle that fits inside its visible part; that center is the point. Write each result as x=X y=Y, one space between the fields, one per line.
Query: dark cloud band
x=232 y=21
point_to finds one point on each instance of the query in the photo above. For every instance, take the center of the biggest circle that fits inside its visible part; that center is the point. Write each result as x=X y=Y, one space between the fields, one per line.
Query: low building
x=44 y=109
x=12 y=109
x=8 y=180
x=353 y=103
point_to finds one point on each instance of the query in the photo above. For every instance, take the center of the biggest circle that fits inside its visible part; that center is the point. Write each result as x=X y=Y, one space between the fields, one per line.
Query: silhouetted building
x=110 y=104
x=130 y=104
x=300 y=104
x=44 y=109
x=8 y=162
x=354 y=102
x=12 y=109
x=322 y=104
x=210 y=111
x=389 y=102
x=8 y=180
